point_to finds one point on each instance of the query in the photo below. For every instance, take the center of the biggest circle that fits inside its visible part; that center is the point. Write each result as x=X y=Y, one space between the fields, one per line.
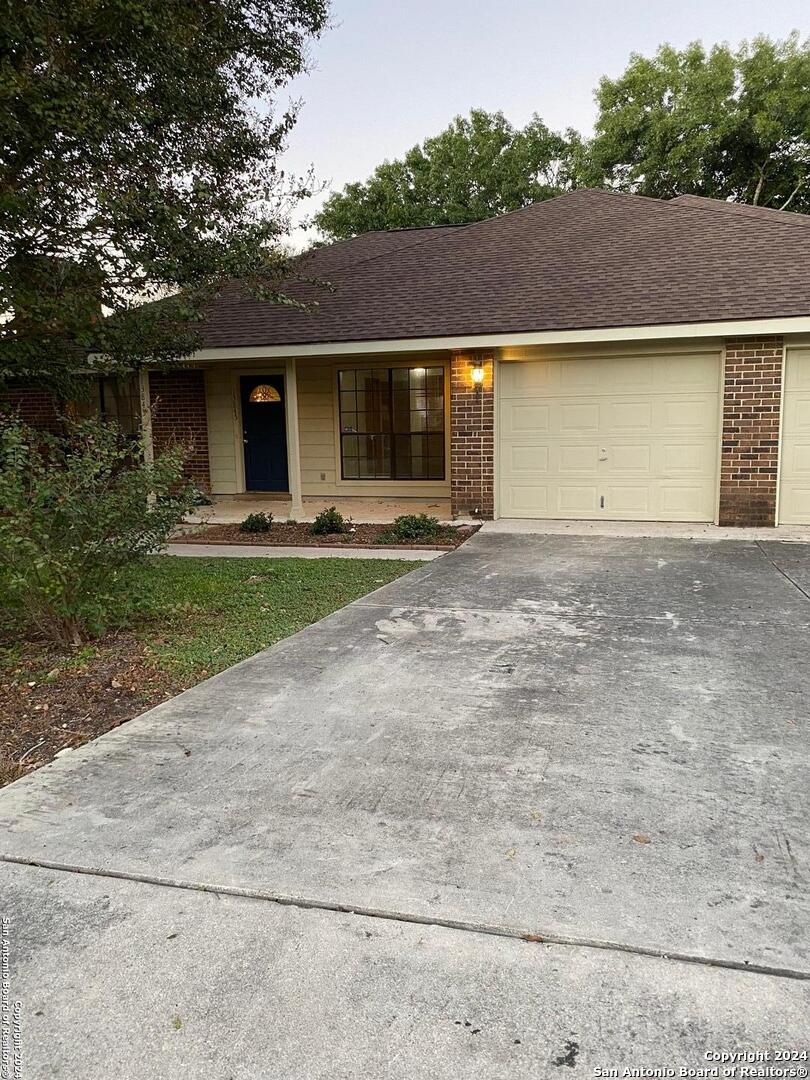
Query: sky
x=390 y=73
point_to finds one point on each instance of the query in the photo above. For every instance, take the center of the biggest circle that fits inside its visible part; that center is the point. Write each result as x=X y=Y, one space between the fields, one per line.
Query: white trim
x=779 y=437
x=732 y=328
x=293 y=441
x=721 y=423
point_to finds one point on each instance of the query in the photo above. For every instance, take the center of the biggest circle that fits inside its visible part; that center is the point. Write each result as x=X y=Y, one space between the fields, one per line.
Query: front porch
x=371 y=436
x=232 y=509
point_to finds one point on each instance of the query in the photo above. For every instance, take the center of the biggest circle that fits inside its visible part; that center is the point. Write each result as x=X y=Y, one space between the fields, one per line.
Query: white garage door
x=614 y=438
x=794 y=492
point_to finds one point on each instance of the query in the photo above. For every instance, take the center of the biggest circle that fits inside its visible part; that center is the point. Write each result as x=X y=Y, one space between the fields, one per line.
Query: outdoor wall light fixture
x=477 y=374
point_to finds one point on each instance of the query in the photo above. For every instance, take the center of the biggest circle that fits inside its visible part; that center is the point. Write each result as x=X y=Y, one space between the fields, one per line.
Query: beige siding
x=318 y=430
x=221 y=407
x=316 y=424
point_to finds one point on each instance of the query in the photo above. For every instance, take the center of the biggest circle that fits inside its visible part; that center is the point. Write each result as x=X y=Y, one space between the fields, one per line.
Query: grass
x=180 y=620
x=199 y=616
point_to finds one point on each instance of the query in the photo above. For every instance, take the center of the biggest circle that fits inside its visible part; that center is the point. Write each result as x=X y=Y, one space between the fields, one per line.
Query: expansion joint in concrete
x=529 y=935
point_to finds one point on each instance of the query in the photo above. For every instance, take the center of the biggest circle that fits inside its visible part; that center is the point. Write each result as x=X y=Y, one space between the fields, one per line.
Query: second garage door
x=794 y=497
x=619 y=438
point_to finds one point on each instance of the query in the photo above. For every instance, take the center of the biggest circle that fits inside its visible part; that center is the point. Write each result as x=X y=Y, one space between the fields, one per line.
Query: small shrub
x=257 y=523
x=329 y=522
x=410 y=528
x=77 y=509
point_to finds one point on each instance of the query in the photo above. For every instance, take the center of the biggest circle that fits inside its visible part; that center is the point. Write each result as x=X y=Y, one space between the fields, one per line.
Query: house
x=596 y=356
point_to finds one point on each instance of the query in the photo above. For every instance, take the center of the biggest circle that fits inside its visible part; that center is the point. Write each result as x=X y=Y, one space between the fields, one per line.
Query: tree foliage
x=477 y=167
x=725 y=123
x=77 y=509
x=138 y=160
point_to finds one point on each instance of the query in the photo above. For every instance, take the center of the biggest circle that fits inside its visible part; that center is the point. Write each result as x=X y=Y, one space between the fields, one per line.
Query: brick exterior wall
x=177 y=401
x=472 y=439
x=751 y=406
x=34 y=405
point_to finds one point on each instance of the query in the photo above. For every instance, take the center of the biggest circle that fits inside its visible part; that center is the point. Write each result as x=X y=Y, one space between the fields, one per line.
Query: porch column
x=472 y=438
x=293 y=443
x=146 y=416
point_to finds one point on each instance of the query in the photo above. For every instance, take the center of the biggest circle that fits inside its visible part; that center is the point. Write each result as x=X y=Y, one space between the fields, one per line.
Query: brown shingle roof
x=588 y=259
x=760 y=213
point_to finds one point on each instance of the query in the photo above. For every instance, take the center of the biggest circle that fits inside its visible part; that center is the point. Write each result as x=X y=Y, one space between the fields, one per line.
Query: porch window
x=392 y=423
x=115 y=397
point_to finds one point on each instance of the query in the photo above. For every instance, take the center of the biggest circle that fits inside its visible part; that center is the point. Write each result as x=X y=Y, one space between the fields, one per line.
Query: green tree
x=138 y=161
x=727 y=124
x=477 y=167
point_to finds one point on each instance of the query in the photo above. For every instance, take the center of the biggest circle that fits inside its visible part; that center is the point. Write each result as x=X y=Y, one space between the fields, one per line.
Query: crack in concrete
x=784 y=573
x=542 y=937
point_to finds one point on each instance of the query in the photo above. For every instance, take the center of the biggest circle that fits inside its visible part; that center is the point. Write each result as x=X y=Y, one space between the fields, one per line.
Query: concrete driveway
x=541 y=805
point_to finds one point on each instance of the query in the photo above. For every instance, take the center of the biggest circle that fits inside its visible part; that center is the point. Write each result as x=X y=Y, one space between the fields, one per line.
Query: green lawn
x=179 y=620
x=199 y=616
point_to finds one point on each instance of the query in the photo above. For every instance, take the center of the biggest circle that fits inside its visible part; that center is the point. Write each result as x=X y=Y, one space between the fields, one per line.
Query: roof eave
x=718 y=329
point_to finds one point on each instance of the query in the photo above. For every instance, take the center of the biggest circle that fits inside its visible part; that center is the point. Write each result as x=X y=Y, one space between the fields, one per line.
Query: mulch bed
x=283 y=534
x=75 y=701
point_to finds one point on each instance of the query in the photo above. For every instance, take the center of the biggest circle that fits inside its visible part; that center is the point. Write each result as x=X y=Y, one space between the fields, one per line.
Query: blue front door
x=264 y=431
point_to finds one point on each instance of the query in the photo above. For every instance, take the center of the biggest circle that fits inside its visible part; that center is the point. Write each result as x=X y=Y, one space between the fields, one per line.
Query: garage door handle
x=603 y=455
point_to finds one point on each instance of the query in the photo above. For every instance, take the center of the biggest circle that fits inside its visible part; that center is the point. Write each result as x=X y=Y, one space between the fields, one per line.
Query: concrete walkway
x=670 y=530
x=540 y=804
x=276 y=551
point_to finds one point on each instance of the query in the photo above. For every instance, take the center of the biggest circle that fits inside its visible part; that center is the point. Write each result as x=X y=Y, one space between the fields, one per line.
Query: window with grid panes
x=392 y=423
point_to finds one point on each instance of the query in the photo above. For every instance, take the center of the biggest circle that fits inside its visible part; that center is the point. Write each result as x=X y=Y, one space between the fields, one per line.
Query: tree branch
x=795 y=191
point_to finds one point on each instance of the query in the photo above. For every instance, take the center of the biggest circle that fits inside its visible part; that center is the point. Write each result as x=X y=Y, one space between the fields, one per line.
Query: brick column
x=179 y=416
x=472 y=435
x=751 y=404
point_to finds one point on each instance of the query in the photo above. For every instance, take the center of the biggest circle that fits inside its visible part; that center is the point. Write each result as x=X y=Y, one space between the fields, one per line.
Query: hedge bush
x=75 y=509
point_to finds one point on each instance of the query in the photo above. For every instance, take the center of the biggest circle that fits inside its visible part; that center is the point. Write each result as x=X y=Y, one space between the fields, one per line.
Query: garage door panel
x=627 y=376
x=576 y=458
x=629 y=458
x=520 y=419
x=797 y=370
x=797 y=460
x=689 y=373
x=687 y=503
x=528 y=460
x=797 y=414
x=688 y=458
x=696 y=413
x=794 y=488
x=620 y=448
x=578 y=418
x=630 y=499
x=622 y=416
x=539 y=377
x=795 y=504
x=581 y=378
x=576 y=499
x=525 y=499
